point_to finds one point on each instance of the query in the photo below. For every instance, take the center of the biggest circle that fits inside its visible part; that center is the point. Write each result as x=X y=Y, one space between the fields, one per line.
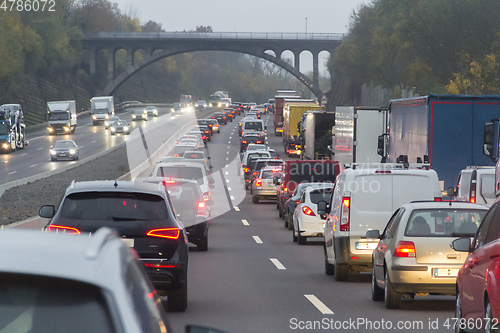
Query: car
x=207 y=131
x=193 y=141
x=66 y=283
x=250 y=138
x=477 y=299
x=198 y=138
x=141 y=213
x=177 y=109
x=120 y=126
x=207 y=122
x=180 y=149
x=110 y=120
x=293 y=201
x=189 y=206
x=257 y=146
x=201 y=104
x=255 y=164
x=476 y=185
x=306 y=220
x=413 y=255
x=263 y=188
x=199 y=134
x=246 y=157
x=139 y=114
x=215 y=125
x=228 y=114
x=253 y=126
x=359 y=208
x=64 y=149
x=221 y=118
x=152 y=110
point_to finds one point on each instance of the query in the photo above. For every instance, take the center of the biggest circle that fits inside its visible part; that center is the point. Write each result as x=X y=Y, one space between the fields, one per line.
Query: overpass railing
x=215 y=35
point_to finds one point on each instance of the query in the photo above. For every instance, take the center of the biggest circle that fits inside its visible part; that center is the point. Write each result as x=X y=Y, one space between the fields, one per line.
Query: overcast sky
x=323 y=16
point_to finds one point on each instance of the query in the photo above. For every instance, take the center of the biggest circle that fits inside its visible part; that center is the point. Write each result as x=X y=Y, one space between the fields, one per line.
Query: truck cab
x=61 y=117
x=12 y=128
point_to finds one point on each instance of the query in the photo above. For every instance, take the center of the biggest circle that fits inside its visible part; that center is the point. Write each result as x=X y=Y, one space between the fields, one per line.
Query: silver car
x=64 y=149
x=140 y=114
x=110 y=120
x=152 y=110
x=263 y=186
x=120 y=127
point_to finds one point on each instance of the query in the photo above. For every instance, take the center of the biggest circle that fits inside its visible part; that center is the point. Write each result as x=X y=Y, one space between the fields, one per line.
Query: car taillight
x=203 y=137
x=345 y=212
x=245 y=169
x=213 y=117
x=63 y=229
x=308 y=211
x=258 y=142
x=165 y=182
x=439 y=199
x=206 y=196
x=170 y=233
x=473 y=200
x=297 y=202
x=201 y=208
x=177 y=155
x=254 y=173
x=160 y=266
x=405 y=249
x=258 y=182
x=224 y=117
x=243 y=141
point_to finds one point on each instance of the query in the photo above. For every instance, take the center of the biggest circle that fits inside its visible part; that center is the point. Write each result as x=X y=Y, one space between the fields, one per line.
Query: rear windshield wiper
x=118 y=218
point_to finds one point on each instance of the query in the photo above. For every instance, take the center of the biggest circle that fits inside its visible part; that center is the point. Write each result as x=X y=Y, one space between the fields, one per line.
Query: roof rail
x=97 y=241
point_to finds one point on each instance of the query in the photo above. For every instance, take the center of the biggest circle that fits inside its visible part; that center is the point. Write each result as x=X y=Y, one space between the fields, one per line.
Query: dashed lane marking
x=24 y=154
x=257 y=239
x=232 y=198
x=245 y=222
x=229 y=189
x=10 y=173
x=318 y=304
x=34 y=165
x=277 y=263
x=40 y=148
x=236 y=208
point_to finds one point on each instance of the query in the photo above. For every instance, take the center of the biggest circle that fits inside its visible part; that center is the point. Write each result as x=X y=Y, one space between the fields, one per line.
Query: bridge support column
x=316 y=71
x=130 y=57
x=92 y=60
x=111 y=65
x=296 y=58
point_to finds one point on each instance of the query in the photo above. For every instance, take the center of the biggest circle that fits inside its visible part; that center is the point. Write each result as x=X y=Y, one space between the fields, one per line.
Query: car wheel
x=286 y=222
x=301 y=240
x=280 y=212
x=329 y=268
x=341 y=271
x=255 y=199
x=392 y=297
x=290 y=222
x=458 y=313
x=490 y=320
x=177 y=299
x=202 y=245
x=53 y=159
x=294 y=236
x=377 y=292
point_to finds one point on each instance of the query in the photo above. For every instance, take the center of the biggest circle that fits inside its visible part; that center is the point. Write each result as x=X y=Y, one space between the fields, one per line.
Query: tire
x=294 y=237
x=329 y=268
x=177 y=299
x=341 y=271
x=280 y=212
x=52 y=159
x=377 y=292
x=392 y=298
x=491 y=321
x=458 y=313
x=202 y=245
x=286 y=222
x=301 y=240
x=255 y=200
x=290 y=222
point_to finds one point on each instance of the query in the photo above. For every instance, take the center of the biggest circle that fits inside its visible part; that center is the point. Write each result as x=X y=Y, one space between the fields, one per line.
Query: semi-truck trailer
x=355 y=134
x=61 y=117
x=12 y=128
x=279 y=104
x=446 y=131
x=316 y=134
x=101 y=108
x=292 y=116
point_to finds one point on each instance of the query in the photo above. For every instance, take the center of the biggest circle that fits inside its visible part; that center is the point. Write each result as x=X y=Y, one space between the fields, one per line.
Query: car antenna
x=115 y=184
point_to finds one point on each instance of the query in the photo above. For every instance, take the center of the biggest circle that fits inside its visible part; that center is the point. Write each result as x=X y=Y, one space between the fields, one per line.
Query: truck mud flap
x=341 y=247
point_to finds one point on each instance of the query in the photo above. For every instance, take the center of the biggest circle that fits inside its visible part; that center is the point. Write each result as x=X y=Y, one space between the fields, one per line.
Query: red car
x=478 y=281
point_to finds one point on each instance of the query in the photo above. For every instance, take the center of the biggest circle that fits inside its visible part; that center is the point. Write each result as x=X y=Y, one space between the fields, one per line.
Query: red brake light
x=224 y=117
x=297 y=202
x=201 y=208
x=177 y=155
x=345 y=214
x=258 y=142
x=63 y=229
x=405 y=249
x=473 y=200
x=170 y=233
x=245 y=169
x=254 y=173
x=308 y=211
x=383 y=171
x=243 y=141
x=160 y=266
x=165 y=182
x=258 y=182
x=206 y=196
x=441 y=199
x=201 y=204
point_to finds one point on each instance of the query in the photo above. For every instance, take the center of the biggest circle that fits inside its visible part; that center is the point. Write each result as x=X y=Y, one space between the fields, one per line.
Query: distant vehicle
x=64 y=149
x=101 y=108
x=215 y=125
x=61 y=117
x=225 y=101
x=215 y=99
x=476 y=185
x=292 y=115
x=179 y=150
x=316 y=134
x=221 y=118
x=293 y=201
x=279 y=103
x=201 y=104
x=110 y=120
x=177 y=109
x=120 y=126
x=186 y=100
x=250 y=138
x=152 y=110
x=263 y=188
x=12 y=128
x=139 y=114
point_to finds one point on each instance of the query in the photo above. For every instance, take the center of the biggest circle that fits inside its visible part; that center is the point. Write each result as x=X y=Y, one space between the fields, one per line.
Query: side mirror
x=381 y=145
x=461 y=245
x=47 y=211
x=211 y=180
x=373 y=234
x=208 y=157
x=201 y=329
x=490 y=137
x=211 y=167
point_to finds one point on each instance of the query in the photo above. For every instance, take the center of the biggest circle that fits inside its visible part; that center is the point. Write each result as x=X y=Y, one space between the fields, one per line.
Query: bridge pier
x=92 y=59
x=315 y=70
x=111 y=64
x=296 y=58
x=130 y=57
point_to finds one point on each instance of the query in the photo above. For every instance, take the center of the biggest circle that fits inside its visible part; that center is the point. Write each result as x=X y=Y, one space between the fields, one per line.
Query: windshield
x=444 y=222
x=255 y=125
x=64 y=144
x=120 y=123
x=59 y=116
x=100 y=111
x=192 y=173
x=4 y=128
x=184 y=195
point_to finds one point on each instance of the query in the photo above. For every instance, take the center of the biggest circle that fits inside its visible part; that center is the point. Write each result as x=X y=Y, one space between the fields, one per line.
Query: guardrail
x=216 y=35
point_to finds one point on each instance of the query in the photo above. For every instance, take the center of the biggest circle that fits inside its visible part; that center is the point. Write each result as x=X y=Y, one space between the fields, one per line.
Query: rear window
x=112 y=206
x=312 y=172
x=463 y=189
x=321 y=195
x=30 y=303
x=181 y=172
x=254 y=125
x=444 y=222
x=179 y=150
x=488 y=186
x=262 y=164
x=268 y=174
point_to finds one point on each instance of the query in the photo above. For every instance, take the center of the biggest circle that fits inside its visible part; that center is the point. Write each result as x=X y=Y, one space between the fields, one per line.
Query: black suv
x=143 y=216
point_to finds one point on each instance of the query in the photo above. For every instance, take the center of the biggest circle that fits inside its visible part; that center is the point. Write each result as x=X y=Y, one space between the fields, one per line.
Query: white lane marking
x=10 y=173
x=24 y=154
x=228 y=188
x=40 y=148
x=257 y=239
x=236 y=208
x=318 y=304
x=227 y=173
x=80 y=147
x=34 y=165
x=38 y=137
x=93 y=141
x=227 y=180
x=232 y=198
x=228 y=152
x=277 y=263
x=227 y=158
x=230 y=138
x=245 y=222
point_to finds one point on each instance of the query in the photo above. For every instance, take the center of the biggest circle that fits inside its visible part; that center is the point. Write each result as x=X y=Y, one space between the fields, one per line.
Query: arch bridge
x=172 y=43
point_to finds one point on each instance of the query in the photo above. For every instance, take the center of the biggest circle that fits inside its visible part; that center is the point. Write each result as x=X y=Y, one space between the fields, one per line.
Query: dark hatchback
x=221 y=118
x=143 y=216
x=252 y=138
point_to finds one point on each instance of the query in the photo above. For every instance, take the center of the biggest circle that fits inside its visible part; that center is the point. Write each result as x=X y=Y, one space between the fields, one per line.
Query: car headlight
x=52 y=151
x=133 y=116
x=94 y=117
x=106 y=116
x=125 y=128
x=113 y=129
x=196 y=105
x=155 y=112
x=172 y=109
x=106 y=123
x=66 y=129
x=50 y=129
x=72 y=151
x=210 y=104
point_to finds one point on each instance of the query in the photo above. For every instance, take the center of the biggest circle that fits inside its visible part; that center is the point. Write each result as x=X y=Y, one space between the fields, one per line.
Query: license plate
x=62 y=154
x=128 y=241
x=365 y=246
x=445 y=272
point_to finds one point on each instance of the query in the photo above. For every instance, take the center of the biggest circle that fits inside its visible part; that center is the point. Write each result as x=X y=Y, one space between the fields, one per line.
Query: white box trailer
x=61 y=117
x=101 y=108
x=356 y=134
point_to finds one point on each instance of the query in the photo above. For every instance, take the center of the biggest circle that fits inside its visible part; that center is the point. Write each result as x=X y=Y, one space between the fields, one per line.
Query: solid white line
x=257 y=239
x=236 y=208
x=318 y=304
x=277 y=263
x=10 y=173
x=245 y=222
x=33 y=165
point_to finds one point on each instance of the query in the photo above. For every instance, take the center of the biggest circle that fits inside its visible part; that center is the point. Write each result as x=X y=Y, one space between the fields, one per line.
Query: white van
x=476 y=185
x=365 y=198
x=253 y=126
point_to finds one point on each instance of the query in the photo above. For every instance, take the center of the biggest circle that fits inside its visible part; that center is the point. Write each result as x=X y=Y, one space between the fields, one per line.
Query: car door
x=473 y=274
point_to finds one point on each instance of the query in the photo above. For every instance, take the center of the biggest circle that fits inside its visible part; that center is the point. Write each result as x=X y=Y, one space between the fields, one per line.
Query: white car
x=306 y=220
x=264 y=188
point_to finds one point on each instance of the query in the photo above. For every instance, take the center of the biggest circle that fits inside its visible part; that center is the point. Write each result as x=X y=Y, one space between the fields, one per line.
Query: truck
x=292 y=115
x=101 y=108
x=12 y=128
x=316 y=134
x=215 y=99
x=186 y=100
x=61 y=117
x=356 y=131
x=447 y=131
x=279 y=104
